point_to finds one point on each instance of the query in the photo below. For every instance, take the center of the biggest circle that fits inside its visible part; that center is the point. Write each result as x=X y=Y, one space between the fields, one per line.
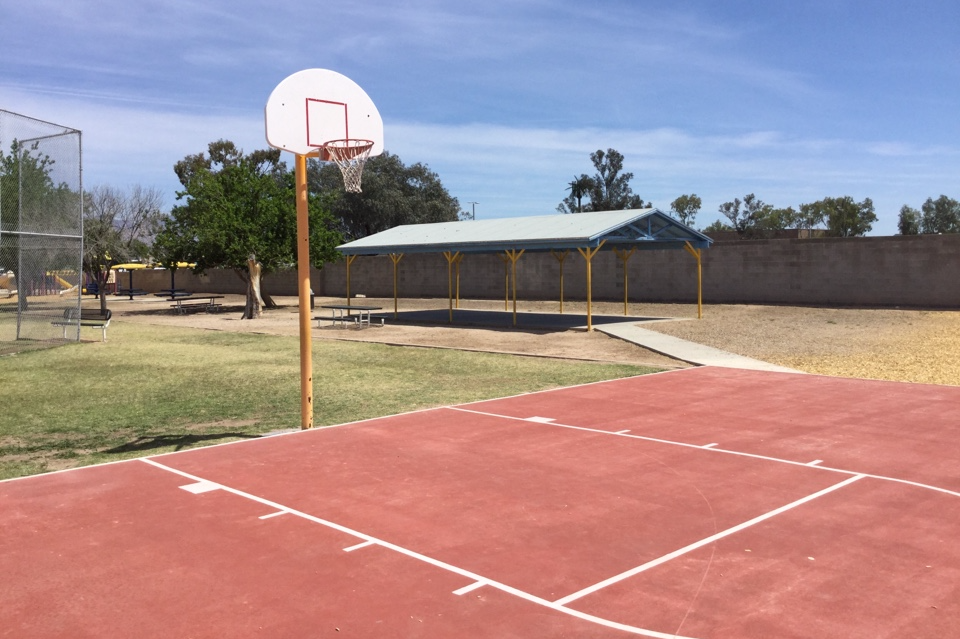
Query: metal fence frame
x=41 y=232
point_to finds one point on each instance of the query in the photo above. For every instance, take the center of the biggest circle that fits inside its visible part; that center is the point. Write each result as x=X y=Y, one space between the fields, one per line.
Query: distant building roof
x=643 y=228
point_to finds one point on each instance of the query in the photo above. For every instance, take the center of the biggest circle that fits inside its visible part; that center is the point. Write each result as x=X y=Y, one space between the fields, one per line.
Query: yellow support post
x=697 y=255
x=395 y=258
x=303 y=276
x=457 y=262
x=624 y=255
x=588 y=256
x=350 y=259
x=506 y=282
x=513 y=255
x=451 y=258
x=560 y=258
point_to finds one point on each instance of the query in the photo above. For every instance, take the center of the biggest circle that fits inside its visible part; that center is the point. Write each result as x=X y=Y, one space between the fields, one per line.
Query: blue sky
x=506 y=99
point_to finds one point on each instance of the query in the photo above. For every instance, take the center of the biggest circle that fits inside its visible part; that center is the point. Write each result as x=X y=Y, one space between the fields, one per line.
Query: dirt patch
x=894 y=344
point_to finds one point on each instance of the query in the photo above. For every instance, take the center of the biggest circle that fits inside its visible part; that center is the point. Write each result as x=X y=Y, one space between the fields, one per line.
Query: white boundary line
x=429 y=560
x=703 y=542
x=712 y=448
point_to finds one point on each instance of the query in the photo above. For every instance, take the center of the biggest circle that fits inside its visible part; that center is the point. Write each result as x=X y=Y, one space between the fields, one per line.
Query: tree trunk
x=254 y=307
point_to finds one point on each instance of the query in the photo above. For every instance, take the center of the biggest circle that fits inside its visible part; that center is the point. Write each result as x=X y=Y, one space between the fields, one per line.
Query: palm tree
x=579 y=187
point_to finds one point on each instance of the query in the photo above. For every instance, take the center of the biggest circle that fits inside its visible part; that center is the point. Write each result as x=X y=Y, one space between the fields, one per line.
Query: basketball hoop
x=350 y=156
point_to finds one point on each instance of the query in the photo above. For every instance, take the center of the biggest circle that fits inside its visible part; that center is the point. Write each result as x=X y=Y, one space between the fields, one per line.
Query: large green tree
x=608 y=190
x=118 y=227
x=909 y=220
x=238 y=211
x=844 y=216
x=393 y=194
x=940 y=216
x=686 y=207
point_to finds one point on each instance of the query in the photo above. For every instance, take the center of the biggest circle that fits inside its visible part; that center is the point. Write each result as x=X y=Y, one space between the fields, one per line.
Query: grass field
x=155 y=389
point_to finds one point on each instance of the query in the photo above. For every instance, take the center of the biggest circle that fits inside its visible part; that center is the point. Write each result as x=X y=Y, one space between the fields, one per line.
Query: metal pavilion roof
x=643 y=228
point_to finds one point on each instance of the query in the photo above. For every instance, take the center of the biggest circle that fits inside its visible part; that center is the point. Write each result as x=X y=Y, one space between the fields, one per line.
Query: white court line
x=541 y=420
x=815 y=462
x=430 y=560
x=272 y=515
x=363 y=544
x=623 y=432
x=710 y=445
x=703 y=542
x=725 y=451
x=470 y=588
x=202 y=486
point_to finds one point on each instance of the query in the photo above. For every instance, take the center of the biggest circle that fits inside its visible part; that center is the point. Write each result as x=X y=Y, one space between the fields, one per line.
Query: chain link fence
x=41 y=232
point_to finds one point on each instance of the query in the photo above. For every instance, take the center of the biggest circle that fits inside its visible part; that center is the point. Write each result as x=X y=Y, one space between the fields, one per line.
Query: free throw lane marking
x=202 y=486
x=359 y=546
x=470 y=588
x=426 y=559
x=703 y=542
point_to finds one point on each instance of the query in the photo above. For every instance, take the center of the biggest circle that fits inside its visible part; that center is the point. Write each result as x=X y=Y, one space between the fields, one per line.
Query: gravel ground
x=893 y=344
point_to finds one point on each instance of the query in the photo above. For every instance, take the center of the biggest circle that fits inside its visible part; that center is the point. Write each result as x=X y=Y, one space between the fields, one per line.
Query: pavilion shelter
x=588 y=233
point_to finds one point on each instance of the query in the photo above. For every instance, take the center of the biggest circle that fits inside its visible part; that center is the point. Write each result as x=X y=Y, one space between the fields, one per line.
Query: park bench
x=84 y=317
x=186 y=303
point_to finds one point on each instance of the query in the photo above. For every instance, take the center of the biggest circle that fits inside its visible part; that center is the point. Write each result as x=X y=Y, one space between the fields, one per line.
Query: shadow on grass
x=178 y=442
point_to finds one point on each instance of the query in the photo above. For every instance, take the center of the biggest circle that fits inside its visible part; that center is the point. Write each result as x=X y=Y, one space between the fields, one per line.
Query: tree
x=238 y=212
x=393 y=194
x=686 y=208
x=844 y=216
x=579 y=188
x=941 y=215
x=31 y=203
x=118 y=227
x=909 y=220
x=608 y=189
x=745 y=220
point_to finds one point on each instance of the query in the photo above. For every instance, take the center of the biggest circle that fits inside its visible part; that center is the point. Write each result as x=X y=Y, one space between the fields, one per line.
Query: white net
x=350 y=156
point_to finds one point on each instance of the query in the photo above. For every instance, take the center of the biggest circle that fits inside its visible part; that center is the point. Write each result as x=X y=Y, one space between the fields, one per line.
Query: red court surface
x=696 y=503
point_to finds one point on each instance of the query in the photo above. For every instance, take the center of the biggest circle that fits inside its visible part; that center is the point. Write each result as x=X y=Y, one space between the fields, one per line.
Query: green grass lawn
x=155 y=389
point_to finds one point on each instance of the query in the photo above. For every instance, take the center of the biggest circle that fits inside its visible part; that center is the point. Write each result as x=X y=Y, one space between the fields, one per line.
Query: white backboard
x=314 y=106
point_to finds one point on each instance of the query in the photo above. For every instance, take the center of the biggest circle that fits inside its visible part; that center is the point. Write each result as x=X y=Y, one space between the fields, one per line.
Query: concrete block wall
x=919 y=270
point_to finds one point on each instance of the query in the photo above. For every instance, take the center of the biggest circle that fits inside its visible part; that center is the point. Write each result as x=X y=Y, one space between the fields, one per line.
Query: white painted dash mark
x=815 y=462
x=271 y=515
x=541 y=420
x=201 y=486
x=359 y=546
x=710 y=445
x=470 y=588
x=623 y=432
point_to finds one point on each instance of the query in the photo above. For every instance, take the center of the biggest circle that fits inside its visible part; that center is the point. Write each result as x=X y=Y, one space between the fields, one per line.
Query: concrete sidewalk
x=686 y=351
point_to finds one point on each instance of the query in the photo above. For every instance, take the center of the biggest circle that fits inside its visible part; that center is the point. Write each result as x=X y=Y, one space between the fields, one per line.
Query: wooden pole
x=395 y=258
x=560 y=258
x=697 y=255
x=303 y=277
x=588 y=256
x=624 y=255
x=451 y=258
x=513 y=255
x=350 y=259
x=457 y=262
x=506 y=282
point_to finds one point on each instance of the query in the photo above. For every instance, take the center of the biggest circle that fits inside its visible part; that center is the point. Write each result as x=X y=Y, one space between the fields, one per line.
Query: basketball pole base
x=303 y=277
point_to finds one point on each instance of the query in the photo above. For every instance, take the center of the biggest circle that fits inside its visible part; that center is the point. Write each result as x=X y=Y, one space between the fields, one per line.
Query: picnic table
x=131 y=292
x=173 y=293
x=342 y=313
x=185 y=303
